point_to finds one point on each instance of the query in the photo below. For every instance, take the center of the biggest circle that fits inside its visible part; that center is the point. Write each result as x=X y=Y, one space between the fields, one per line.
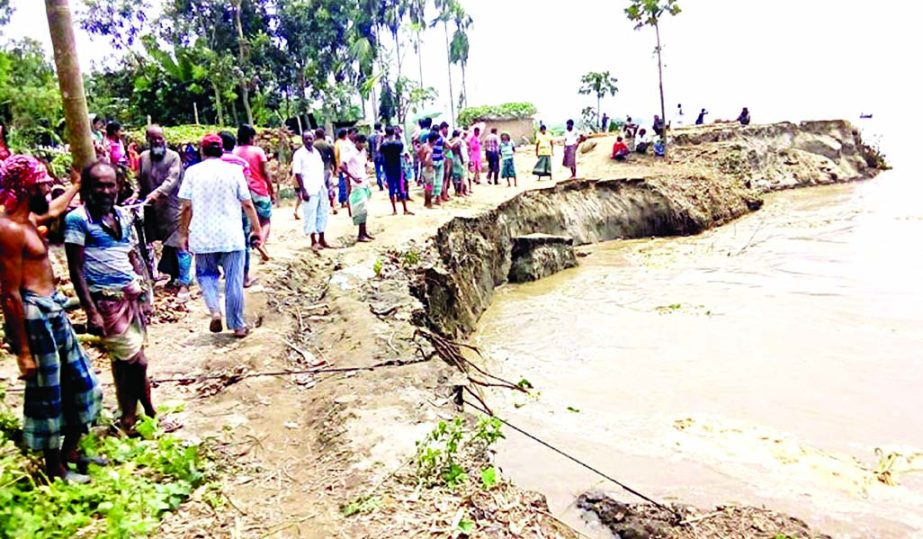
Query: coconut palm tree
x=458 y=51
x=416 y=12
x=446 y=8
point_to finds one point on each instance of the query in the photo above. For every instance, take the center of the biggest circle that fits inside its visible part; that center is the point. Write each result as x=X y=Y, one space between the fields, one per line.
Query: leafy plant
x=411 y=258
x=362 y=504
x=147 y=477
x=600 y=84
x=377 y=267
x=441 y=454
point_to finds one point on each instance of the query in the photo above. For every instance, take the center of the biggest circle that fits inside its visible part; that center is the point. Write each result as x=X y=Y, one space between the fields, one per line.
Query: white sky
x=785 y=59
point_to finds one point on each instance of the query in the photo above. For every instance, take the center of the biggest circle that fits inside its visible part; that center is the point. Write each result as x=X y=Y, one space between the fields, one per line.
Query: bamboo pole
x=70 y=82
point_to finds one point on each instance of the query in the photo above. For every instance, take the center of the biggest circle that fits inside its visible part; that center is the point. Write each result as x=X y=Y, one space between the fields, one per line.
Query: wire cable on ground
x=604 y=475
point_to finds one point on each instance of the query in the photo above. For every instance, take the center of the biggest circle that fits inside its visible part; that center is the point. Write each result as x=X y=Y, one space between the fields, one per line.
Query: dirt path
x=304 y=446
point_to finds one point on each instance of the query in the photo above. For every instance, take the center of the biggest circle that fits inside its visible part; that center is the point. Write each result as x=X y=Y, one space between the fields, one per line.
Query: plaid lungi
x=64 y=394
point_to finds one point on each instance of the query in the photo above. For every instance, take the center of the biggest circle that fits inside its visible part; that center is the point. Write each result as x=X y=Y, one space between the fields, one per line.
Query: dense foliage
x=30 y=104
x=506 y=111
x=262 y=61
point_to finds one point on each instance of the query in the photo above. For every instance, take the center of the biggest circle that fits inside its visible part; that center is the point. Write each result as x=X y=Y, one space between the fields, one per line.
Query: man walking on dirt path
x=571 y=141
x=391 y=151
x=159 y=180
x=106 y=272
x=354 y=166
x=308 y=168
x=62 y=397
x=325 y=149
x=213 y=194
x=544 y=148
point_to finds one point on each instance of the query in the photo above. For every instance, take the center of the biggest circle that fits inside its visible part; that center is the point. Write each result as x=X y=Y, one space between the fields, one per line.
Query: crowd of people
x=208 y=208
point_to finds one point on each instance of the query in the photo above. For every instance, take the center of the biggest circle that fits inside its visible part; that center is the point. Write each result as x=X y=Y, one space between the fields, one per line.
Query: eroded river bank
x=773 y=361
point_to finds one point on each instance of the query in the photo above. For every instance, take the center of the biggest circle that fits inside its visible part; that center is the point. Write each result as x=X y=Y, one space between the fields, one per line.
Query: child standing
x=507 y=168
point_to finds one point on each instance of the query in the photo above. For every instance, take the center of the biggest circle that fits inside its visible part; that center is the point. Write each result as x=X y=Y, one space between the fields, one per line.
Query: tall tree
x=416 y=12
x=600 y=84
x=445 y=8
x=648 y=13
x=243 y=48
x=70 y=81
x=460 y=47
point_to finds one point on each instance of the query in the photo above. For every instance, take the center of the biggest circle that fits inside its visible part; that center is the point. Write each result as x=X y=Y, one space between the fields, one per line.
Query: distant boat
x=865 y=116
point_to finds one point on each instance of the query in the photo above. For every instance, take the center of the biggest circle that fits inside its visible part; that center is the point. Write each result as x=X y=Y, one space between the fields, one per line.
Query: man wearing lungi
x=354 y=167
x=100 y=240
x=62 y=397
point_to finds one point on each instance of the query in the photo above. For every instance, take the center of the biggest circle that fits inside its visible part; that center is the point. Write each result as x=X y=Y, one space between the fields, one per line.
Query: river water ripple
x=763 y=363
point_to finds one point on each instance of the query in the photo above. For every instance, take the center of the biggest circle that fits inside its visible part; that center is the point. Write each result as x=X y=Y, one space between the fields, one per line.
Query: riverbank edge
x=446 y=279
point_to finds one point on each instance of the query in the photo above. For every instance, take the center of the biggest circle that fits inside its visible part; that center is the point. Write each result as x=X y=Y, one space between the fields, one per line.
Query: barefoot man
x=309 y=170
x=354 y=167
x=390 y=152
x=106 y=271
x=62 y=397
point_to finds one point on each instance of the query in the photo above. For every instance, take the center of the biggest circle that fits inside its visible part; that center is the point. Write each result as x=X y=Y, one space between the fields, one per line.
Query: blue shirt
x=106 y=259
x=438 y=147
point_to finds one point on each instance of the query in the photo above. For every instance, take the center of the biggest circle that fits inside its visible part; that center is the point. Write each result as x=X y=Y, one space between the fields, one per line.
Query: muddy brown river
x=775 y=361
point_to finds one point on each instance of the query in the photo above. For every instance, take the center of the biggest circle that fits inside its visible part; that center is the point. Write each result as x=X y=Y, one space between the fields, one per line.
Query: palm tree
x=458 y=52
x=446 y=8
x=416 y=11
x=599 y=83
x=70 y=81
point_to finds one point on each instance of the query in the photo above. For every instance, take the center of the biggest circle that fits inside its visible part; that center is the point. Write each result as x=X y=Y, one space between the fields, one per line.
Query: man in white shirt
x=308 y=167
x=572 y=139
x=213 y=193
x=353 y=165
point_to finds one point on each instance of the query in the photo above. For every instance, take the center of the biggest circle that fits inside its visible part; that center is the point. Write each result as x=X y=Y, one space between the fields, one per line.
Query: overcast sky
x=785 y=59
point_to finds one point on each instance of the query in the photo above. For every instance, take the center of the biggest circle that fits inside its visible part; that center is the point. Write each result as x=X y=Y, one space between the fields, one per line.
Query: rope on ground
x=233 y=378
x=450 y=352
x=486 y=410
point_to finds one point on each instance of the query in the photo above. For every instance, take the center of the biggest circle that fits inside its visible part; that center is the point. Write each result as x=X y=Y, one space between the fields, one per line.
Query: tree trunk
x=70 y=82
x=464 y=86
x=420 y=57
x=663 y=108
x=448 y=55
x=219 y=108
x=398 y=92
x=244 y=59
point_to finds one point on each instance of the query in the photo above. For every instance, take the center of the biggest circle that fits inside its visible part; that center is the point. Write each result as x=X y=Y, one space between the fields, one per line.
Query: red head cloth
x=211 y=140
x=18 y=175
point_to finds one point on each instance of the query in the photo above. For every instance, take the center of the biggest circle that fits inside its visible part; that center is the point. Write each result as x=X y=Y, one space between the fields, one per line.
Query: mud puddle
x=774 y=361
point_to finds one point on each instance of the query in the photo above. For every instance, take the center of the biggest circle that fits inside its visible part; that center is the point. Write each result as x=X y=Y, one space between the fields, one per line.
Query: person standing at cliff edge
x=544 y=148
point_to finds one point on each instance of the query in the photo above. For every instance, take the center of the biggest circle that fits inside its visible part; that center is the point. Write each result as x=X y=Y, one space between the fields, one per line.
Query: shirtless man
x=62 y=397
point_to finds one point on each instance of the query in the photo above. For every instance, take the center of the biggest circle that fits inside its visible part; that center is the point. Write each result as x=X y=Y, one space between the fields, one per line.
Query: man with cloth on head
x=62 y=397
x=310 y=175
x=106 y=271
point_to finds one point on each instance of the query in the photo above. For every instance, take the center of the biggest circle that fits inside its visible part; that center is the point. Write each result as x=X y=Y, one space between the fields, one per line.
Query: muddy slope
x=715 y=174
